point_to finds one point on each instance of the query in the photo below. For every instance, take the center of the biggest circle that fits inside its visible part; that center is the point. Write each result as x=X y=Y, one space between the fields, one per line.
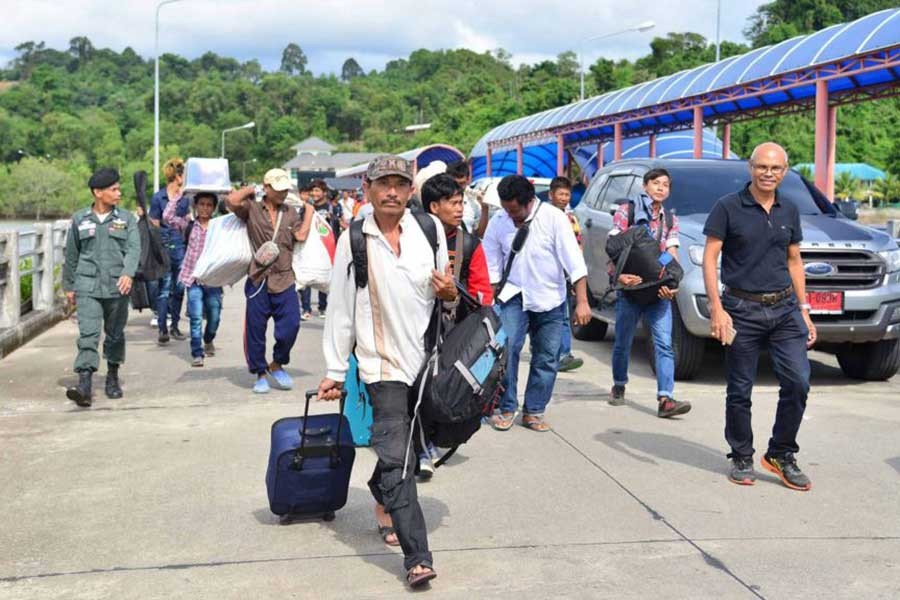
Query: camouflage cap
x=389 y=164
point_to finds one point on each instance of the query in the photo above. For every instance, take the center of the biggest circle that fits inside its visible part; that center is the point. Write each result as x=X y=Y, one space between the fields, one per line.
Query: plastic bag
x=226 y=254
x=314 y=258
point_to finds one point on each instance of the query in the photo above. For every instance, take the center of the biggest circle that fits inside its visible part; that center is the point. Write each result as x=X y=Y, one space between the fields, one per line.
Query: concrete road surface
x=161 y=494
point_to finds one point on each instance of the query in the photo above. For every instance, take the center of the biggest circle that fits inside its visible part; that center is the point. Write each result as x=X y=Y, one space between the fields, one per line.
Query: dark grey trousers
x=390 y=433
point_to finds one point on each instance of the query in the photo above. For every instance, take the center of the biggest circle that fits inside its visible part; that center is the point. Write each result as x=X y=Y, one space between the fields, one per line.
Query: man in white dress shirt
x=384 y=323
x=532 y=300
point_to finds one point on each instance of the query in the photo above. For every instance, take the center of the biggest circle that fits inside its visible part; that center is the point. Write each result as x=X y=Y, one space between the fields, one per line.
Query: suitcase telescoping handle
x=335 y=450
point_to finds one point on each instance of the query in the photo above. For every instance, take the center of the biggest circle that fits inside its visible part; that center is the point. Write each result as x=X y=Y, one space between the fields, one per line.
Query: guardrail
x=42 y=259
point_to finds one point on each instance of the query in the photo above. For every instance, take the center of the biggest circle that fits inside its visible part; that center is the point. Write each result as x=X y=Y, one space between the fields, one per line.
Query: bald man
x=757 y=233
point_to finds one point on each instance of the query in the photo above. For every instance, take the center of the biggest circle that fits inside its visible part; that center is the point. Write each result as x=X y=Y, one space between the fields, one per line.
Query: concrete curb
x=30 y=326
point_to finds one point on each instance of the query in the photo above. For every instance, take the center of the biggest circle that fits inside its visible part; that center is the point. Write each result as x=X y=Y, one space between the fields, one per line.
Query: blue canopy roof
x=861 y=171
x=834 y=45
x=423 y=156
x=540 y=160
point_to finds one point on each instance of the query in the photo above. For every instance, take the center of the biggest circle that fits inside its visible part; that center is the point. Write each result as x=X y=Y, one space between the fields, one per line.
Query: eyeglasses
x=776 y=170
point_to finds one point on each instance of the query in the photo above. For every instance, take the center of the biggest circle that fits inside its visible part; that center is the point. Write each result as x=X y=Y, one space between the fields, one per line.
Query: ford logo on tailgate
x=819 y=269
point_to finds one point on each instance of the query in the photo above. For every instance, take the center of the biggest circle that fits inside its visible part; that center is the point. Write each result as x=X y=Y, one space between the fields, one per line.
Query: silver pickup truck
x=852 y=271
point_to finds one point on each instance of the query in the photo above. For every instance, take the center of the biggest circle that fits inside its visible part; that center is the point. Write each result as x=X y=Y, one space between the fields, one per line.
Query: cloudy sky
x=331 y=31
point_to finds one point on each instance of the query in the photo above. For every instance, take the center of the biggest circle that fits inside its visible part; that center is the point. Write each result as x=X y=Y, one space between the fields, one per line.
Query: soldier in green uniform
x=102 y=252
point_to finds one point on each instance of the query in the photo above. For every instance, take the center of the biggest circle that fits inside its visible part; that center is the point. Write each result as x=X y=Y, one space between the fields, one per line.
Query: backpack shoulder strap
x=360 y=262
x=429 y=229
x=188 y=230
x=630 y=213
x=470 y=244
x=669 y=219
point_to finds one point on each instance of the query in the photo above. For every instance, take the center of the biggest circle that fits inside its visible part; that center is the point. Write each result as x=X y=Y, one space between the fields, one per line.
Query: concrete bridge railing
x=39 y=253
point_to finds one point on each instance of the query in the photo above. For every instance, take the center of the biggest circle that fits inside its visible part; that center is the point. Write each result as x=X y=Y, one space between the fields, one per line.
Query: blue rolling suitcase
x=358 y=408
x=310 y=461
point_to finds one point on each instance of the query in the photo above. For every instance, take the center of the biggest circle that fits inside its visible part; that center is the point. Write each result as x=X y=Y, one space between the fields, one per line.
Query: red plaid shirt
x=194 y=244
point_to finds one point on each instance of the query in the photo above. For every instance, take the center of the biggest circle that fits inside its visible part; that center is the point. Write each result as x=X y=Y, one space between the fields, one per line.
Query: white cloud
x=329 y=32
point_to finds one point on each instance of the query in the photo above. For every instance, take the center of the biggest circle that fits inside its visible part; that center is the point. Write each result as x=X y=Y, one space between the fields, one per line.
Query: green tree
x=846 y=186
x=351 y=70
x=81 y=49
x=293 y=60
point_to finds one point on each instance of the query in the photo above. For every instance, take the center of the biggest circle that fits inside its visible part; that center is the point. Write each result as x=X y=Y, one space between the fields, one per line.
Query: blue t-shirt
x=168 y=236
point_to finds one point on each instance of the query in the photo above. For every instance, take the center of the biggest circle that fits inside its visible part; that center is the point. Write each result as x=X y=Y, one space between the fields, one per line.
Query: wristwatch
x=806 y=307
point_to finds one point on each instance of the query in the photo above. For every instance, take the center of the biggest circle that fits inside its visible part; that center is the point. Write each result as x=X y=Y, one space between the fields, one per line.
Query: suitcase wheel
x=329 y=516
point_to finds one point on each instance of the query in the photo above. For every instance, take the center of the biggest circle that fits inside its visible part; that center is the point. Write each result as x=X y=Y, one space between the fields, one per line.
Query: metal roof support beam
x=698 y=132
x=519 y=157
x=560 y=148
x=617 y=141
x=651 y=145
x=488 y=157
x=599 y=155
x=726 y=140
x=822 y=136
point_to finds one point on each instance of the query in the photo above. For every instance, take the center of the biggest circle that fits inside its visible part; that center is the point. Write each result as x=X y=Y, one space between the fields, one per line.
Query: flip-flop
x=420 y=579
x=537 y=424
x=500 y=423
x=384 y=531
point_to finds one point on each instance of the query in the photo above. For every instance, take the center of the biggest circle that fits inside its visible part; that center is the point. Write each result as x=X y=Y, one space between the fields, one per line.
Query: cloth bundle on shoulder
x=636 y=252
x=313 y=259
x=226 y=254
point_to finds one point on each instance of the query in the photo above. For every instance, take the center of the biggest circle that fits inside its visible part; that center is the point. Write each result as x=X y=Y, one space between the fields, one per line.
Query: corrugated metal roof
x=871 y=33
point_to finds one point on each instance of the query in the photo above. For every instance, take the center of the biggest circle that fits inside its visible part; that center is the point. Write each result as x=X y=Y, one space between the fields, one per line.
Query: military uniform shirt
x=98 y=253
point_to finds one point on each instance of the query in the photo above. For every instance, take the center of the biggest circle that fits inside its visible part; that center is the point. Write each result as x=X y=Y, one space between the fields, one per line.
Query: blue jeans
x=203 y=302
x=171 y=291
x=658 y=318
x=306 y=300
x=780 y=329
x=565 y=341
x=545 y=329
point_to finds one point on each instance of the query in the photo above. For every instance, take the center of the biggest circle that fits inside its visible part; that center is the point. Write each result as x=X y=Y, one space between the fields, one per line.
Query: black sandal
x=419 y=579
x=384 y=531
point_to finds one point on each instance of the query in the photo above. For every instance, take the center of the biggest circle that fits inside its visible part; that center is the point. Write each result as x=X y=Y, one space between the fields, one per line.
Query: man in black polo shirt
x=758 y=235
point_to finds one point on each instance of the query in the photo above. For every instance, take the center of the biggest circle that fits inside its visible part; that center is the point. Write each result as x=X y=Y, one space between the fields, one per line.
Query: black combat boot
x=113 y=390
x=81 y=393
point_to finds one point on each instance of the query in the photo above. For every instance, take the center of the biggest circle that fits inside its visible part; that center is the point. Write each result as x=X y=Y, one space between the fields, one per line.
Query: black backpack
x=636 y=252
x=463 y=377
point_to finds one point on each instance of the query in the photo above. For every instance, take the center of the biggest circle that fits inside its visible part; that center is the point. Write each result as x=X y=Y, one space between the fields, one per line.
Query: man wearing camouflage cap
x=382 y=316
x=102 y=252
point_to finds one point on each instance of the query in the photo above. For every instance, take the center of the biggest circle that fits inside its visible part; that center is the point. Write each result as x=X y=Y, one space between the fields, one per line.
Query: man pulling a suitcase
x=385 y=315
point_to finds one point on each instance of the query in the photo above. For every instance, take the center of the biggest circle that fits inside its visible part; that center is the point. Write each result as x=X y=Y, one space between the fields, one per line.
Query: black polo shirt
x=754 y=243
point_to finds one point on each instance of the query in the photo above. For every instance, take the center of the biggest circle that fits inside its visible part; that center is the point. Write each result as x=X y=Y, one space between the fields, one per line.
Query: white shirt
x=387 y=319
x=347 y=209
x=471 y=211
x=539 y=270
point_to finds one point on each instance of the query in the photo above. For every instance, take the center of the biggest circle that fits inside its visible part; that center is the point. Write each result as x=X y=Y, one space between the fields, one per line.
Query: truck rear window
x=695 y=191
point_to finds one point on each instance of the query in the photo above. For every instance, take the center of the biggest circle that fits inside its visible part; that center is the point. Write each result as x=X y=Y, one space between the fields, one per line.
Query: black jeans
x=780 y=329
x=390 y=433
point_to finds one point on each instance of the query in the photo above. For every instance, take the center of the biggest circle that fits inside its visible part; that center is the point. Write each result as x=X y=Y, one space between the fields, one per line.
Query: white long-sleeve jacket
x=385 y=321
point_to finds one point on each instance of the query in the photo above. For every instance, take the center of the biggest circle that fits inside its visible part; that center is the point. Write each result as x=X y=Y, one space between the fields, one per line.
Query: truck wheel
x=688 y=349
x=872 y=361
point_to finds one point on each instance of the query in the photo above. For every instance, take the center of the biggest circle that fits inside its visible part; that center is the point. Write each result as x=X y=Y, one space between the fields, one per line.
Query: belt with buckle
x=767 y=299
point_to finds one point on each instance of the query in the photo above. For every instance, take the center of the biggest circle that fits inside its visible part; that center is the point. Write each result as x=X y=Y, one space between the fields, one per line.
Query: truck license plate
x=825 y=303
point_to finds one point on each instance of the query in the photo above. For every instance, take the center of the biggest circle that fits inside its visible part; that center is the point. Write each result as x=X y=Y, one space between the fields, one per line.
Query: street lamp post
x=718 y=26
x=249 y=125
x=244 y=168
x=156 y=97
x=645 y=26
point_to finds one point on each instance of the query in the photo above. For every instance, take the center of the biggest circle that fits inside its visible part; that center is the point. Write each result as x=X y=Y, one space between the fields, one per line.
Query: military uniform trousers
x=112 y=314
